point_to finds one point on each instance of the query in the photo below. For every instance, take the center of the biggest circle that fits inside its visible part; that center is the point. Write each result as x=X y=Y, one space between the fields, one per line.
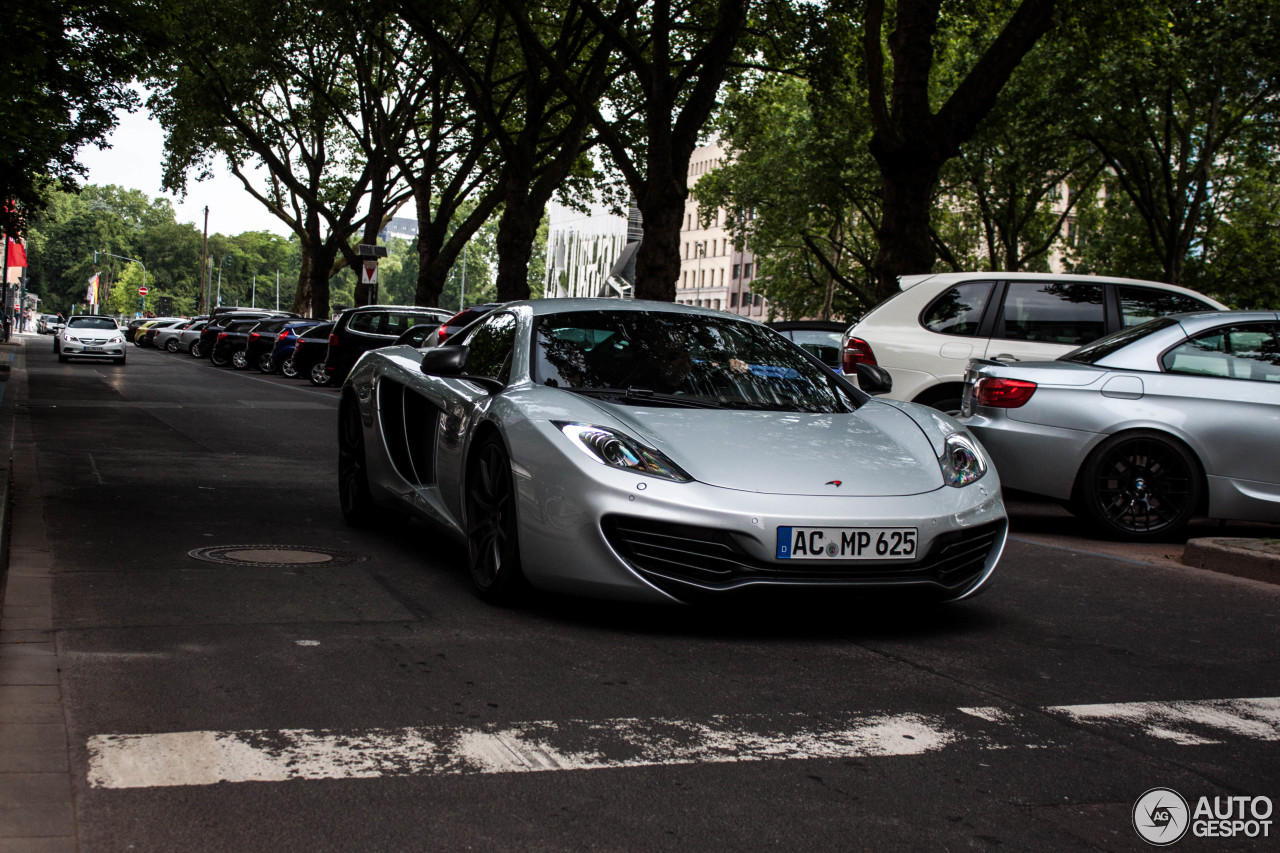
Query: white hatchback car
x=925 y=335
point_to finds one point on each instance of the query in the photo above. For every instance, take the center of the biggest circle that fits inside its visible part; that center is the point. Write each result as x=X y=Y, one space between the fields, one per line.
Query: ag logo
x=1161 y=816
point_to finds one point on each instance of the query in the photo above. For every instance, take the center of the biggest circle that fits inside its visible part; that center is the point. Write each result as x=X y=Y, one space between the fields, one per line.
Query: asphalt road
x=375 y=703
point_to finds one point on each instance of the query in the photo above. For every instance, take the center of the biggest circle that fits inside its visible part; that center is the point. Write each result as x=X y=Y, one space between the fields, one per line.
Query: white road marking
x=210 y=757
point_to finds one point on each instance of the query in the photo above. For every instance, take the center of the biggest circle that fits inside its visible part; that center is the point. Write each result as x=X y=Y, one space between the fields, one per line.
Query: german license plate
x=93 y=349
x=847 y=543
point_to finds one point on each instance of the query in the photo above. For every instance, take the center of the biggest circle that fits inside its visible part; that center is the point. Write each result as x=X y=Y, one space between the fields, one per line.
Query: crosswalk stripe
x=210 y=757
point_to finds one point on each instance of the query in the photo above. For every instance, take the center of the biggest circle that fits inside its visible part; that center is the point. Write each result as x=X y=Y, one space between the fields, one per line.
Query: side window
x=490 y=347
x=959 y=310
x=369 y=322
x=1140 y=304
x=1053 y=312
x=1234 y=352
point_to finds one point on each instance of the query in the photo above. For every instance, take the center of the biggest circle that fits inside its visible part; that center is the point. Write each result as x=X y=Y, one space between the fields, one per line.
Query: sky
x=134 y=162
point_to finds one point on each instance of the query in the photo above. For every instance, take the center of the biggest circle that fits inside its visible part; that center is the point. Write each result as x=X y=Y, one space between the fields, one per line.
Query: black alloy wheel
x=493 y=548
x=239 y=359
x=358 y=508
x=319 y=376
x=1141 y=485
x=288 y=369
x=265 y=364
x=218 y=359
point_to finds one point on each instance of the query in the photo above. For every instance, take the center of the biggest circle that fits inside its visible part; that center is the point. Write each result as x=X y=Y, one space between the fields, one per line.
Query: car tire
x=171 y=345
x=319 y=376
x=239 y=359
x=62 y=358
x=493 y=547
x=354 y=497
x=1141 y=485
x=196 y=350
x=288 y=369
x=119 y=360
x=218 y=359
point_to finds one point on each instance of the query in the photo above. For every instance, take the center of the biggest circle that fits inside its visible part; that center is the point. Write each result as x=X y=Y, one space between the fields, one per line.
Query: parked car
x=168 y=339
x=261 y=342
x=229 y=347
x=309 y=350
x=596 y=447
x=283 y=344
x=358 y=330
x=90 y=336
x=185 y=339
x=462 y=319
x=219 y=321
x=822 y=338
x=1146 y=428
x=45 y=324
x=146 y=334
x=926 y=334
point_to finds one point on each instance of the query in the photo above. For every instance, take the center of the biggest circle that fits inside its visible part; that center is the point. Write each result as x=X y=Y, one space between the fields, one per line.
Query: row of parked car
x=321 y=351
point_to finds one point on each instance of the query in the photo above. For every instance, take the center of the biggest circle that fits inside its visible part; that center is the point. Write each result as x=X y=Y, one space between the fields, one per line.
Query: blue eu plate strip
x=784 y=543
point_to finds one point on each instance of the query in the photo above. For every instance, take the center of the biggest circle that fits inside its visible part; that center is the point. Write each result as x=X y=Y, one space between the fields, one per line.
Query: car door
x=426 y=420
x=1222 y=387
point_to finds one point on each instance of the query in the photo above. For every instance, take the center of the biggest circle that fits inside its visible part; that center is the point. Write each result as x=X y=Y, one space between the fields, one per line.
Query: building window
x=736 y=269
x=733 y=300
x=746 y=270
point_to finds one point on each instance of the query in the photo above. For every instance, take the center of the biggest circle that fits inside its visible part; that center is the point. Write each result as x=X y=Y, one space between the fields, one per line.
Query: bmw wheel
x=319 y=376
x=264 y=363
x=1140 y=485
x=239 y=359
x=289 y=369
x=493 y=549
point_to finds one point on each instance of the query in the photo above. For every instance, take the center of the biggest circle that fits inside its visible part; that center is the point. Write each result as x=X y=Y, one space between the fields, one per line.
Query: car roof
x=907 y=282
x=558 y=305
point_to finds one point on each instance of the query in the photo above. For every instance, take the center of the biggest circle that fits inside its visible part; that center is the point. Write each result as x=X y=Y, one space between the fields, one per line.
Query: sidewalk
x=36 y=808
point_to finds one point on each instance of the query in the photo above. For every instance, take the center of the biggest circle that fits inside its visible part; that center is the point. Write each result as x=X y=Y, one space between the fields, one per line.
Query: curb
x=1256 y=559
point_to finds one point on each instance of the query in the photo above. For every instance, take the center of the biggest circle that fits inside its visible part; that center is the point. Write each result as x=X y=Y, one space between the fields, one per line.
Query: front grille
x=681 y=555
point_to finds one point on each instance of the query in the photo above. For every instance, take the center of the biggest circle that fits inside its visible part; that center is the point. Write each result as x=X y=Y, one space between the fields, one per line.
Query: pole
x=277 y=288
x=204 y=262
x=253 y=298
x=224 y=260
x=462 y=293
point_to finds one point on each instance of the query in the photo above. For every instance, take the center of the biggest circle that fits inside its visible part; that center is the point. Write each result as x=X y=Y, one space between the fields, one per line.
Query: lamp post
x=701 y=248
x=142 y=300
x=225 y=258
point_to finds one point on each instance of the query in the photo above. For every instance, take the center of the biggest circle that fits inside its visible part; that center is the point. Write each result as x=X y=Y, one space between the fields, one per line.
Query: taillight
x=253 y=336
x=333 y=340
x=221 y=335
x=298 y=343
x=856 y=351
x=442 y=334
x=282 y=335
x=999 y=393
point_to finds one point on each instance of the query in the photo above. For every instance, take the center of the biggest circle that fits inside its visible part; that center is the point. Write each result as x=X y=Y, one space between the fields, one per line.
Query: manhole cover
x=273 y=555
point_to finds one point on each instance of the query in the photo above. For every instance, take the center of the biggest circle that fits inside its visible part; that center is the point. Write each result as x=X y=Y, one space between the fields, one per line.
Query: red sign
x=142 y=291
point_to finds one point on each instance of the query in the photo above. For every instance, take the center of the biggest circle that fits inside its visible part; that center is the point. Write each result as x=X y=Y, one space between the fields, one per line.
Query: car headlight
x=71 y=338
x=618 y=450
x=962 y=462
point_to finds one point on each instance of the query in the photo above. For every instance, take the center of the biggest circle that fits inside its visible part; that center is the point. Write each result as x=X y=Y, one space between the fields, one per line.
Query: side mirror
x=874 y=379
x=445 y=361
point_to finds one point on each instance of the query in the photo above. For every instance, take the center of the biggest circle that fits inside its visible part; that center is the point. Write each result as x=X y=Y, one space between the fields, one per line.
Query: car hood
x=877 y=450
x=92 y=334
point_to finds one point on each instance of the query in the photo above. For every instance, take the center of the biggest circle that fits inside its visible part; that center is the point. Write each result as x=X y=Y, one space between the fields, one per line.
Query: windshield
x=92 y=323
x=681 y=359
x=1095 y=352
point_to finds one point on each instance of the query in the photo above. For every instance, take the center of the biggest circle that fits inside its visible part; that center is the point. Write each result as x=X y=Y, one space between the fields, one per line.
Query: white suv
x=925 y=335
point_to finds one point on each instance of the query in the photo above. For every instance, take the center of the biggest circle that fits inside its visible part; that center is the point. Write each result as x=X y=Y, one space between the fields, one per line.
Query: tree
x=1176 y=111
x=673 y=57
x=912 y=140
x=541 y=138
x=64 y=71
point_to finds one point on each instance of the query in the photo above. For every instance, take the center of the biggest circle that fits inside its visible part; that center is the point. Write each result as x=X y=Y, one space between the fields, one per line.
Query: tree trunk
x=906 y=243
x=658 y=258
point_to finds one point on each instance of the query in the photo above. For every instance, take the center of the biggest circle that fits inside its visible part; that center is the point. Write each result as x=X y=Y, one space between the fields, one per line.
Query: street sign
x=370 y=273
x=142 y=291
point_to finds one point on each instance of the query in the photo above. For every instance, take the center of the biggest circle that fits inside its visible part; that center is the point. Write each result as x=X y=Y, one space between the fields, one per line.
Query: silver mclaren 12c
x=654 y=452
